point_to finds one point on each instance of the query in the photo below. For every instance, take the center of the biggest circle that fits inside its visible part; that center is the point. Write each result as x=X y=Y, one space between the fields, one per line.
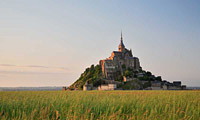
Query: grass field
x=150 y=105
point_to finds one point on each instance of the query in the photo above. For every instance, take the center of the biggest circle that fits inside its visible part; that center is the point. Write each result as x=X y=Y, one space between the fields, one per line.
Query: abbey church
x=121 y=71
x=118 y=61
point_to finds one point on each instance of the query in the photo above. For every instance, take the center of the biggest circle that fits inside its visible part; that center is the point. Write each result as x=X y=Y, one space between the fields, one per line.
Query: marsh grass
x=121 y=105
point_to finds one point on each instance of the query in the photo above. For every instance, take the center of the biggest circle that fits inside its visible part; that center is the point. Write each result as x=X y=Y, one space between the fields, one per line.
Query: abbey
x=121 y=71
x=118 y=62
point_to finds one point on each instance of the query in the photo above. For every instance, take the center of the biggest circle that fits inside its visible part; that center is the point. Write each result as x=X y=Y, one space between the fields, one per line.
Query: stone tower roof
x=121 y=45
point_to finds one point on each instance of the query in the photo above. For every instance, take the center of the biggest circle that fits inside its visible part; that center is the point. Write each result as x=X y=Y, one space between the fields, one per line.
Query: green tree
x=158 y=78
x=90 y=75
x=120 y=78
x=149 y=73
x=128 y=73
x=123 y=66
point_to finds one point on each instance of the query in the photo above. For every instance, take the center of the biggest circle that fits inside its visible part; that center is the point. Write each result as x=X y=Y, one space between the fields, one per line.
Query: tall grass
x=151 y=105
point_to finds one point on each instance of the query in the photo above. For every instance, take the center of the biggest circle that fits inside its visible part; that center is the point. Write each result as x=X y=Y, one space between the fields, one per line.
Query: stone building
x=156 y=85
x=88 y=87
x=113 y=66
x=107 y=87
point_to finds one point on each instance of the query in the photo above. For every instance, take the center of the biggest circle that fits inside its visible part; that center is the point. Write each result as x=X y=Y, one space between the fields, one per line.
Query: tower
x=121 y=46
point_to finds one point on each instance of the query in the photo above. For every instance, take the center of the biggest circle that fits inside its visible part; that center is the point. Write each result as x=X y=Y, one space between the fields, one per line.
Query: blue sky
x=50 y=43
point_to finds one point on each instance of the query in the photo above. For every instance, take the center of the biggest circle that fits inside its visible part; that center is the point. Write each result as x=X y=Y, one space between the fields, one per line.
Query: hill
x=93 y=75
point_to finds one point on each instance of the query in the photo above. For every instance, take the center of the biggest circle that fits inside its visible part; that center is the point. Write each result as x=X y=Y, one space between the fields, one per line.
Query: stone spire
x=121 y=37
x=121 y=46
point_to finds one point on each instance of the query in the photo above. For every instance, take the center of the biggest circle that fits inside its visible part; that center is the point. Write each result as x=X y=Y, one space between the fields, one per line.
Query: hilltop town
x=122 y=71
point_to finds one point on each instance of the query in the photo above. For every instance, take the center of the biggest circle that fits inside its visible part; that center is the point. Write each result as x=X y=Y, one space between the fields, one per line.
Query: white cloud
x=31 y=69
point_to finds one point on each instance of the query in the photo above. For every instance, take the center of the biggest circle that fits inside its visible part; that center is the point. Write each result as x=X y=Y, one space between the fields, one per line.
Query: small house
x=107 y=87
x=156 y=85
